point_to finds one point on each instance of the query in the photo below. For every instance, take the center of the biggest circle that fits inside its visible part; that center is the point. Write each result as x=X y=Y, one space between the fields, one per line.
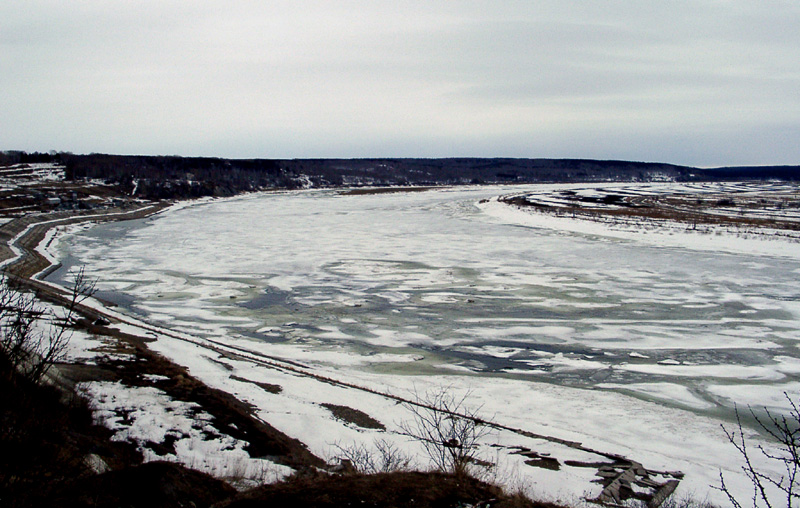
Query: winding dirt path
x=20 y=238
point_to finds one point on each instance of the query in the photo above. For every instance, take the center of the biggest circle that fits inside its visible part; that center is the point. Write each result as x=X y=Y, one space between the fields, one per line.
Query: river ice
x=577 y=330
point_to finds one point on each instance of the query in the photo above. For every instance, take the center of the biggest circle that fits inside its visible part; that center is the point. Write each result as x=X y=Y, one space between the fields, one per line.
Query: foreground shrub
x=769 y=490
x=448 y=429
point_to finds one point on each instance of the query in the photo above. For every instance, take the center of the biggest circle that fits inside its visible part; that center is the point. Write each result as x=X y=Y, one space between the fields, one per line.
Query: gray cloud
x=711 y=82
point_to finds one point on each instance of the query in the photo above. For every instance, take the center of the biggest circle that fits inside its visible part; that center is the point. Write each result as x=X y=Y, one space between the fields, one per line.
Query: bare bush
x=27 y=347
x=769 y=490
x=81 y=289
x=23 y=344
x=449 y=431
x=385 y=457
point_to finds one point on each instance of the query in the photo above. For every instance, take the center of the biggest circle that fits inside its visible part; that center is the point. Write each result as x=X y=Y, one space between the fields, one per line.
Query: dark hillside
x=398 y=489
x=158 y=177
x=171 y=177
x=787 y=173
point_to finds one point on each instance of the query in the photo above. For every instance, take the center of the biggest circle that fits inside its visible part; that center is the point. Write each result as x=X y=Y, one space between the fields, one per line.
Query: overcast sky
x=702 y=83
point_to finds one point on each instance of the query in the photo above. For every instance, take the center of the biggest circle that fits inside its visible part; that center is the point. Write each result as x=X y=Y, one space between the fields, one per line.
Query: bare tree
x=18 y=333
x=27 y=347
x=449 y=431
x=770 y=490
x=81 y=289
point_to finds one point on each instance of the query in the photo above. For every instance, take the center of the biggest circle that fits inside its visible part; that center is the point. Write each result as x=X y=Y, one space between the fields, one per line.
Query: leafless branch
x=785 y=433
x=384 y=458
x=450 y=432
x=25 y=347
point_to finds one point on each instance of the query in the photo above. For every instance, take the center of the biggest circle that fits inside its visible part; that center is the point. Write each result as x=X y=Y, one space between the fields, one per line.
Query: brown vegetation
x=399 y=489
x=354 y=416
x=755 y=210
x=230 y=416
x=151 y=485
x=45 y=438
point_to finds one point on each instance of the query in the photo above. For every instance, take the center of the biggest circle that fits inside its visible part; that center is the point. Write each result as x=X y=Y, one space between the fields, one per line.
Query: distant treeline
x=157 y=177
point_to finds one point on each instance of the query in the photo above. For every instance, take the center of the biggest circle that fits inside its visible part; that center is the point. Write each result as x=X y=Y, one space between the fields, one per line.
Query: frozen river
x=431 y=275
x=442 y=283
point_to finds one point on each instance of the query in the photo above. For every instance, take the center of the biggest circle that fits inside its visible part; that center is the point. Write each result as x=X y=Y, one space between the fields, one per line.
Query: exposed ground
x=757 y=208
x=400 y=489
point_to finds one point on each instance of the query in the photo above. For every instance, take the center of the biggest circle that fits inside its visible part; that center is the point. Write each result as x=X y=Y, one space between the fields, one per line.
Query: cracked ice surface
x=400 y=288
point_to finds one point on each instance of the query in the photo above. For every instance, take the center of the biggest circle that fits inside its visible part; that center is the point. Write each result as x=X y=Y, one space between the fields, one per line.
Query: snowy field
x=635 y=342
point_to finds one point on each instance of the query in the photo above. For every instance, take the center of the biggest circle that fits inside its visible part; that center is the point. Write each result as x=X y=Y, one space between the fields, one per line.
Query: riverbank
x=21 y=238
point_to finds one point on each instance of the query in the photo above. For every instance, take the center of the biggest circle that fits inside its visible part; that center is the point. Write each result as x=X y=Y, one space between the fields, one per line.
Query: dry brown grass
x=398 y=489
x=691 y=210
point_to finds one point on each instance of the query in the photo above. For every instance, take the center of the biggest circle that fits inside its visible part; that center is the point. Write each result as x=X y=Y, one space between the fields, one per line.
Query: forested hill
x=174 y=177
